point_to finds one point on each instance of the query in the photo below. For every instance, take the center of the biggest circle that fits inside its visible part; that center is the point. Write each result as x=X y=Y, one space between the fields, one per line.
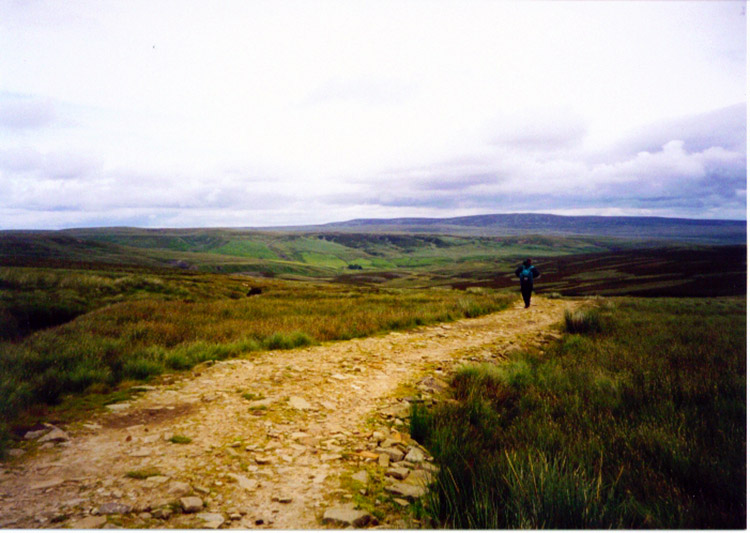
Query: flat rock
x=393 y=453
x=191 y=504
x=179 y=487
x=299 y=403
x=421 y=478
x=56 y=435
x=362 y=477
x=163 y=513
x=31 y=435
x=211 y=520
x=406 y=490
x=90 y=522
x=16 y=452
x=245 y=482
x=415 y=455
x=117 y=407
x=397 y=472
x=47 y=483
x=114 y=508
x=347 y=515
x=384 y=460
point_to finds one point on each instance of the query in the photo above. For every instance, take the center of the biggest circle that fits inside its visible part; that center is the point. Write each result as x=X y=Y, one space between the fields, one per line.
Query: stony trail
x=272 y=436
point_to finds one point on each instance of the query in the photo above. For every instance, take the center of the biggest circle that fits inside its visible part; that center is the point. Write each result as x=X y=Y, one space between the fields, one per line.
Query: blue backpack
x=527 y=274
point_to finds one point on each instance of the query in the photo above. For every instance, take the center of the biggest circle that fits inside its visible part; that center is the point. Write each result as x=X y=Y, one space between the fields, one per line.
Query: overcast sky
x=250 y=113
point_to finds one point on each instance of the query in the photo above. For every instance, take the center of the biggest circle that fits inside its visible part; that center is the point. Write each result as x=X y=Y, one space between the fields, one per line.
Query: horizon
x=264 y=114
x=373 y=220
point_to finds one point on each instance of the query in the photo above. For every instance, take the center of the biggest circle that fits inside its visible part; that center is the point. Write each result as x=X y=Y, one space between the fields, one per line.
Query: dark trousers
x=526 y=293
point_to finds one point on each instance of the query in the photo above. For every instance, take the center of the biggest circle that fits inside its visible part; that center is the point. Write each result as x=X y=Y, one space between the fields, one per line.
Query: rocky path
x=281 y=440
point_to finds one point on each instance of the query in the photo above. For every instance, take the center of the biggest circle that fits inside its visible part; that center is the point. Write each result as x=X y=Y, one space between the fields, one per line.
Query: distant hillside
x=637 y=228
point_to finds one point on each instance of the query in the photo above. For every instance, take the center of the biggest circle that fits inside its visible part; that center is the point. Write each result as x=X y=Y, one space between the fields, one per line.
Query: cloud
x=725 y=127
x=25 y=113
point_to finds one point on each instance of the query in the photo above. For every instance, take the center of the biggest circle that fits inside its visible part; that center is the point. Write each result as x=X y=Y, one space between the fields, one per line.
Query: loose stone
x=347 y=515
x=415 y=455
x=362 y=477
x=406 y=490
x=114 y=508
x=90 y=522
x=191 y=504
x=56 y=435
x=398 y=472
x=393 y=453
x=211 y=520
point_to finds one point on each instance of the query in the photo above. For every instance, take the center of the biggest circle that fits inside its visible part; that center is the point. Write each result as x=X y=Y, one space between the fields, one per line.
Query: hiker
x=526 y=273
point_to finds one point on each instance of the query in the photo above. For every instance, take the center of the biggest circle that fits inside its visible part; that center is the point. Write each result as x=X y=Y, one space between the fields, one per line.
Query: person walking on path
x=526 y=273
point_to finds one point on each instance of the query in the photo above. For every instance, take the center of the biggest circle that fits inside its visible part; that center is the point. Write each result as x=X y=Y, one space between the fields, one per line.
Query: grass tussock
x=641 y=426
x=583 y=321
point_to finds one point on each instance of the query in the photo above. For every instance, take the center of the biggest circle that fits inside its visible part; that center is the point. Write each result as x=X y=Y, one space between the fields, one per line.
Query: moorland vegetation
x=635 y=419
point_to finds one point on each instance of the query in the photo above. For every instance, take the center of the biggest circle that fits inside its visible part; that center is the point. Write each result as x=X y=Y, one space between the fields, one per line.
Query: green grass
x=143 y=473
x=638 y=423
x=180 y=439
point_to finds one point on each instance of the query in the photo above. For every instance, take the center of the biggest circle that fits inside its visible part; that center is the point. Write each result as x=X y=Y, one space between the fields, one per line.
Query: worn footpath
x=299 y=439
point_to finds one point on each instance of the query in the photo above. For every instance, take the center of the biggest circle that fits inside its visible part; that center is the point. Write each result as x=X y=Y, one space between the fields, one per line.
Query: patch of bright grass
x=143 y=473
x=641 y=426
x=180 y=439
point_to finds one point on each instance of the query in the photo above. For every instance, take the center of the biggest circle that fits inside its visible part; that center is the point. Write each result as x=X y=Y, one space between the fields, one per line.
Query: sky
x=269 y=113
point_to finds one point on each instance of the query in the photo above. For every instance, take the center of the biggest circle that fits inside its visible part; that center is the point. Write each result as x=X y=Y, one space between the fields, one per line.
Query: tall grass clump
x=642 y=425
x=583 y=321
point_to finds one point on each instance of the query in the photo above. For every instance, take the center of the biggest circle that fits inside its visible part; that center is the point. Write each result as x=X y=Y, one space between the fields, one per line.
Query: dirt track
x=272 y=436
